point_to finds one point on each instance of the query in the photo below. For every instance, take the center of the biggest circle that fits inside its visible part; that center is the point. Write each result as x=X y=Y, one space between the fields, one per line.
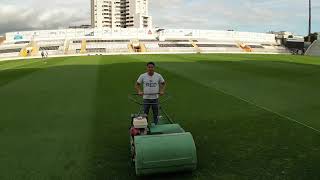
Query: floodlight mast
x=309 y=21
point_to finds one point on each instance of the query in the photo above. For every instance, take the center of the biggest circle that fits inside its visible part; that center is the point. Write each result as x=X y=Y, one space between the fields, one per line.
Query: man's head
x=150 y=67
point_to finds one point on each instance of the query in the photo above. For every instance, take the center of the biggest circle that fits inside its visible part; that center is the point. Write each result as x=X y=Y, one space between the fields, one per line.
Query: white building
x=120 y=14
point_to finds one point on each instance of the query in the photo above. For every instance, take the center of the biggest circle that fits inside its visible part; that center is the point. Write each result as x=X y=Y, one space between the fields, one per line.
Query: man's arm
x=138 y=88
x=162 y=85
x=162 y=88
x=138 y=85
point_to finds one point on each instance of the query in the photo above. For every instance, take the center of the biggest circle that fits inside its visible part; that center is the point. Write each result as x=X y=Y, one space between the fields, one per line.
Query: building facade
x=120 y=14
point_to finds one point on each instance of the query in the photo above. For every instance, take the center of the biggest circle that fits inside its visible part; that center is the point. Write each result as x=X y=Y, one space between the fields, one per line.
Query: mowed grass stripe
x=110 y=158
x=71 y=121
x=237 y=139
x=306 y=60
x=239 y=142
x=46 y=121
x=17 y=64
x=16 y=72
x=2 y=63
x=270 y=110
x=281 y=87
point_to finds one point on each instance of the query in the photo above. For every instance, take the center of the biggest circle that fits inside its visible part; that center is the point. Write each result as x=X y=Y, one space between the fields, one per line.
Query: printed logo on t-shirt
x=151 y=84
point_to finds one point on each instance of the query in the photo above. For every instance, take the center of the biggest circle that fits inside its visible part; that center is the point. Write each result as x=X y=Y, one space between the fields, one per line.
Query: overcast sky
x=242 y=15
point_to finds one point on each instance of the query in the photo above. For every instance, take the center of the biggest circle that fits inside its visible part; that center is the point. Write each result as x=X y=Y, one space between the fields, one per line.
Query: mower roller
x=159 y=148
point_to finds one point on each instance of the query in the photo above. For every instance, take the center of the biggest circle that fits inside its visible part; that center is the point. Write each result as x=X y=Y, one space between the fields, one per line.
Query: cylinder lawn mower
x=161 y=148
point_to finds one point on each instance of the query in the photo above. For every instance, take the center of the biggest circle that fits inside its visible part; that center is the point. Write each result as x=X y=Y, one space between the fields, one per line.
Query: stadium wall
x=94 y=41
x=108 y=33
x=140 y=33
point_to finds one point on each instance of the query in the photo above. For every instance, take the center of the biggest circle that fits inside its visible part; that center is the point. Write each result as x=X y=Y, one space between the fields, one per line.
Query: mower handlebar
x=136 y=94
x=165 y=99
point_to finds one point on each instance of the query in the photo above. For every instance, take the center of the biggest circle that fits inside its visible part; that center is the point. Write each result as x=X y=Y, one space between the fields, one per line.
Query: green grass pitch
x=252 y=116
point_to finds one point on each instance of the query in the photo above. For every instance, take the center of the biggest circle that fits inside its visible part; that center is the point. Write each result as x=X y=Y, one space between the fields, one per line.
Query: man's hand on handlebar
x=140 y=93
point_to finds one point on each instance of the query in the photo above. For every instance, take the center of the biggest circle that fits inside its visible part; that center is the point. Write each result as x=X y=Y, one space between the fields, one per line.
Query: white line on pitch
x=265 y=108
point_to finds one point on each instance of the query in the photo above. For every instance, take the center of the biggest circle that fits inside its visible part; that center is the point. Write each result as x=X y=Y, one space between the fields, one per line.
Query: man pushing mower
x=162 y=147
x=153 y=86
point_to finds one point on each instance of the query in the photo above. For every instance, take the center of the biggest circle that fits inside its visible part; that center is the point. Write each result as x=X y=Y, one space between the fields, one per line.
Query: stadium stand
x=52 y=47
x=314 y=49
x=10 y=50
x=170 y=46
x=137 y=46
x=122 y=41
x=83 y=46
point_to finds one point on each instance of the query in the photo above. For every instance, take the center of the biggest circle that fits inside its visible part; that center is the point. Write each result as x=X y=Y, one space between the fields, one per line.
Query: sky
x=239 y=15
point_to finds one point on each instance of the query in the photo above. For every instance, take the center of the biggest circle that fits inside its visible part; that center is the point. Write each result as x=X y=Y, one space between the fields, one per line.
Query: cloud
x=249 y=15
x=41 y=16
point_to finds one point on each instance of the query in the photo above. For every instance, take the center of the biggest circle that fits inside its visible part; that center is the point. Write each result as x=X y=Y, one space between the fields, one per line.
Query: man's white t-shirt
x=151 y=84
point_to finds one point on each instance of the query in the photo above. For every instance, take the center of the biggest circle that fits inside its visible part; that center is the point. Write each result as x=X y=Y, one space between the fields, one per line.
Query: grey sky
x=249 y=15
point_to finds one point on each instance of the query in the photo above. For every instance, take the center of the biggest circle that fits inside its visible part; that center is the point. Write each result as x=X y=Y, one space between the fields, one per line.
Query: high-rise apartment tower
x=120 y=14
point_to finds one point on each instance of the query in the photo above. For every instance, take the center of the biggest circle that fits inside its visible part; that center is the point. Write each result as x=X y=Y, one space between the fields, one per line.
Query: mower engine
x=139 y=126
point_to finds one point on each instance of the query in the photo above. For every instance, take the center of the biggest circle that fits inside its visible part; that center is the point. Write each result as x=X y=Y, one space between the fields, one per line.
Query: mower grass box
x=165 y=153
